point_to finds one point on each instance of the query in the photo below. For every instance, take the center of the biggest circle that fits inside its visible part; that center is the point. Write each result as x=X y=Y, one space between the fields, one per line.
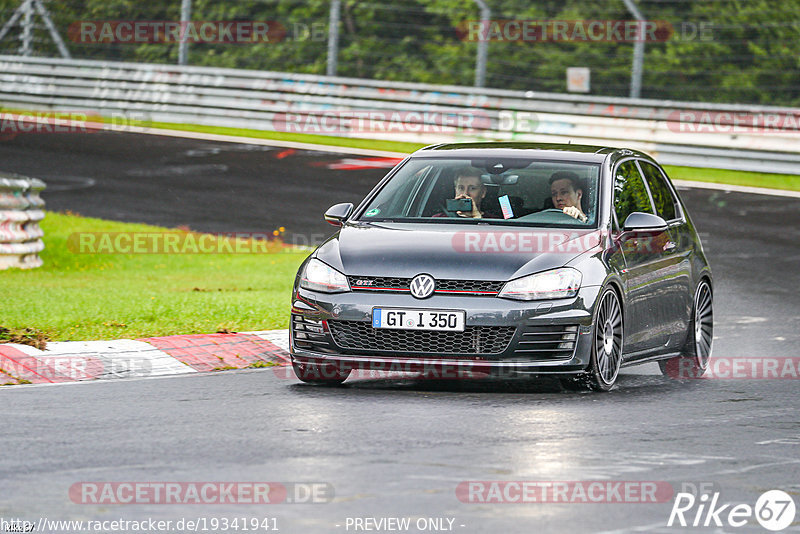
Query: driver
x=566 y=191
x=468 y=184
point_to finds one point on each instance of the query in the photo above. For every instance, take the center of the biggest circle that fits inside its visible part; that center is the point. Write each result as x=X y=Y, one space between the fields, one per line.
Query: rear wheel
x=693 y=362
x=321 y=375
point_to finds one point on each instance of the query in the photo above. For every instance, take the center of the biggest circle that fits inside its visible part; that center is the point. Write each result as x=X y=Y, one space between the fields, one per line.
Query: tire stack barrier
x=20 y=213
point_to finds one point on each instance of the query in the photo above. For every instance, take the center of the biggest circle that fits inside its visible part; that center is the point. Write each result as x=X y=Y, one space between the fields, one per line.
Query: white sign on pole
x=578 y=79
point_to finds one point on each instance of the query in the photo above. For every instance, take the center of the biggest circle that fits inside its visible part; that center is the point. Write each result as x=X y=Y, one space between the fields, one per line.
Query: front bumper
x=317 y=338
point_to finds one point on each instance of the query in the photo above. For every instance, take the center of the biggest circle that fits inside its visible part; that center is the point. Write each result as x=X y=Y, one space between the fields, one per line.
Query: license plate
x=406 y=319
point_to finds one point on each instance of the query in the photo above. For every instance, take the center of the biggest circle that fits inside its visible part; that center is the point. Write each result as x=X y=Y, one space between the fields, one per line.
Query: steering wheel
x=556 y=210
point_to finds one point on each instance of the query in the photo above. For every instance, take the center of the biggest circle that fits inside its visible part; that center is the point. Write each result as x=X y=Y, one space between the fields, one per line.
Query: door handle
x=670 y=245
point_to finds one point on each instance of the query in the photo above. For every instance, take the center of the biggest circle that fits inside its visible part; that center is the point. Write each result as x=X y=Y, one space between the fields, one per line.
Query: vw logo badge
x=422 y=286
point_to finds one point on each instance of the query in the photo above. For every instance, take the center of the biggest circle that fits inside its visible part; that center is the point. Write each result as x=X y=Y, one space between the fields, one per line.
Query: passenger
x=566 y=191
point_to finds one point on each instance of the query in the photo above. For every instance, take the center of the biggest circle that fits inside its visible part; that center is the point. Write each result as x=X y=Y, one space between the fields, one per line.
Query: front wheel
x=693 y=362
x=320 y=375
x=607 y=343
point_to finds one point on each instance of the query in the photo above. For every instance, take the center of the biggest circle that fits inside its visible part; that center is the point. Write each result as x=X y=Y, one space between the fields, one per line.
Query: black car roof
x=553 y=151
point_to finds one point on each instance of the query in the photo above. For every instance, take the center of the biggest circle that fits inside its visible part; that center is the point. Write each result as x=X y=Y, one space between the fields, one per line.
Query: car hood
x=450 y=251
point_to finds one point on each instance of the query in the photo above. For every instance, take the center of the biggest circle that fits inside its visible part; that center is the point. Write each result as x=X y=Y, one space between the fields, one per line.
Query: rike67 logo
x=774 y=510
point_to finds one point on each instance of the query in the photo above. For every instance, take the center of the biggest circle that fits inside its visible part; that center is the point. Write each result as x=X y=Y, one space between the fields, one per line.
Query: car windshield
x=513 y=191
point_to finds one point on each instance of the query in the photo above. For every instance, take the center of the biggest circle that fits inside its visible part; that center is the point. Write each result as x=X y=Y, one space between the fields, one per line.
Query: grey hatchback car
x=507 y=259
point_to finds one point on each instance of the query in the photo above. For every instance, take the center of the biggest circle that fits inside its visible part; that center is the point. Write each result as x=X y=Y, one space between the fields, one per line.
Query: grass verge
x=77 y=296
x=722 y=176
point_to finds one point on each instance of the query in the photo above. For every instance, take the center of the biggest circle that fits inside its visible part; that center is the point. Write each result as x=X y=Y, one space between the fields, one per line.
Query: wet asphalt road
x=394 y=449
x=397 y=450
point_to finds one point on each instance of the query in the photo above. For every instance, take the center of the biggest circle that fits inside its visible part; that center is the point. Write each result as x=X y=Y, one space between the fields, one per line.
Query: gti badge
x=422 y=286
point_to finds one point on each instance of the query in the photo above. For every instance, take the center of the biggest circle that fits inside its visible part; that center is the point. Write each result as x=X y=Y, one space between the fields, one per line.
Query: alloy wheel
x=607 y=347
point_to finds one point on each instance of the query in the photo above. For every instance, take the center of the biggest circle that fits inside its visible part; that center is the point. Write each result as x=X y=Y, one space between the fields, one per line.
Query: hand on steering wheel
x=575 y=213
x=568 y=211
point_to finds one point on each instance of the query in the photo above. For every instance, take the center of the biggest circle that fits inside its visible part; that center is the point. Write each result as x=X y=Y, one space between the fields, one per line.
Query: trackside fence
x=765 y=139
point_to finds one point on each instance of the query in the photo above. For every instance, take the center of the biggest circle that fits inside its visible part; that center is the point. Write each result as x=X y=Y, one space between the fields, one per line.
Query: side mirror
x=338 y=213
x=644 y=222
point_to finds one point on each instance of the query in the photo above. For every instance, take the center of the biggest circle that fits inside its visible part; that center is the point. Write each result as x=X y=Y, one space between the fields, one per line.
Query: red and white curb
x=75 y=361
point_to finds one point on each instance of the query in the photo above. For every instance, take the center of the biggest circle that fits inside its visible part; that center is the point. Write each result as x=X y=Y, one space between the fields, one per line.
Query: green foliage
x=748 y=52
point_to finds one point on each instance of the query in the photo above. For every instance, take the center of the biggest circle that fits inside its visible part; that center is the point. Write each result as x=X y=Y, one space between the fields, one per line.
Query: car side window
x=630 y=193
x=662 y=196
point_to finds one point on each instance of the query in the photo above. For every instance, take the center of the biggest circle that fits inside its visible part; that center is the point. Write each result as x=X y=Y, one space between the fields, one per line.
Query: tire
x=607 y=339
x=320 y=375
x=693 y=361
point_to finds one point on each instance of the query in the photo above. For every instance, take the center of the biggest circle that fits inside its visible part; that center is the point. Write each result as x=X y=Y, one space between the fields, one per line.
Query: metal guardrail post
x=483 y=45
x=638 y=51
x=186 y=17
x=27 y=29
x=20 y=213
x=26 y=11
x=333 y=37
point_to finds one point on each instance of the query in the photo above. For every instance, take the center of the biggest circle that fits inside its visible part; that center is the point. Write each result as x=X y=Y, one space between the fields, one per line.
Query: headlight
x=556 y=284
x=318 y=276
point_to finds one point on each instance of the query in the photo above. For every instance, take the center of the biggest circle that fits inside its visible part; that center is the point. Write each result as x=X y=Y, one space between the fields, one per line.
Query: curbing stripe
x=74 y=361
x=79 y=361
x=217 y=352
x=20 y=366
x=123 y=358
x=277 y=337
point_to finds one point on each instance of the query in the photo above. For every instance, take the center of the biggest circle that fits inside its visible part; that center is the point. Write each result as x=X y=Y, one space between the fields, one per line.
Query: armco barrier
x=20 y=213
x=677 y=133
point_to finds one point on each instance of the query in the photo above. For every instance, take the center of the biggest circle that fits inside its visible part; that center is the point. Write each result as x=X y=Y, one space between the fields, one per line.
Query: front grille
x=360 y=336
x=310 y=334
x=468 y=286
x=443 y=287
x=548 y=342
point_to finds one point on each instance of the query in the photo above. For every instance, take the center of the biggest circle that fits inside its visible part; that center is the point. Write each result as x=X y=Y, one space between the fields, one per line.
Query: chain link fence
x=734 y=51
